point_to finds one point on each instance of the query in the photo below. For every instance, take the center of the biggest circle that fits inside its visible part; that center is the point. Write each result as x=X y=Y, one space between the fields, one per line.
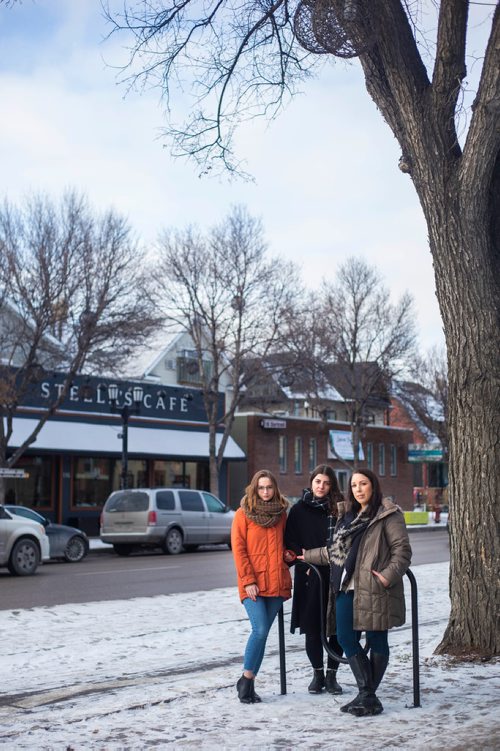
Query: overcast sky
x=327 y=185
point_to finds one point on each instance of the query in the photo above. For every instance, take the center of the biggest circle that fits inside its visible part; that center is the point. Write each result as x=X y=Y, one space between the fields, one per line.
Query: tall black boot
x=244 y=688
x=318 y=682
x=379 y=664
x=331 y=684
x=365 y=703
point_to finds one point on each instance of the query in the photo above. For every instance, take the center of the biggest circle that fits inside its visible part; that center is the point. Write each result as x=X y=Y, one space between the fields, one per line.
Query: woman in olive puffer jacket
x=368 y=556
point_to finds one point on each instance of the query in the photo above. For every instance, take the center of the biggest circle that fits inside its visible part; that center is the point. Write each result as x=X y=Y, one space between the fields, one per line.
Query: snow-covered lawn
x=159 y=672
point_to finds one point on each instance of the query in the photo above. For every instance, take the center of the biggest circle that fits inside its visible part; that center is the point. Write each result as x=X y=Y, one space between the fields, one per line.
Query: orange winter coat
x=258 y=557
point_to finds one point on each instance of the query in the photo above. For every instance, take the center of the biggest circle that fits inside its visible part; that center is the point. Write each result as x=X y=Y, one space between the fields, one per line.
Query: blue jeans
x=347 y=637
x=261 y=614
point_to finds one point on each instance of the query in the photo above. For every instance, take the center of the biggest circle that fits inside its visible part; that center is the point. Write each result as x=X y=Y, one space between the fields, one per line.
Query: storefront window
x=172 y=474
x=93 y=480
x=35 y=489
x=168 y=474
x=137 y=474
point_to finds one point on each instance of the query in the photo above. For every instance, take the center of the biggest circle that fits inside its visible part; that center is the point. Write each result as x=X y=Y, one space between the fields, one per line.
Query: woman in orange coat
x=264 y=581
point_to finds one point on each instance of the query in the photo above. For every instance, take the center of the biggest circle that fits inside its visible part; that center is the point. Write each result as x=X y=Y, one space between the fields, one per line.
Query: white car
x=24 y=544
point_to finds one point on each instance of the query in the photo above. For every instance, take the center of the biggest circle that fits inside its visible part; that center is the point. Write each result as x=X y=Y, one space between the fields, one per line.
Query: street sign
x=273 y=424
x=20 y=474
x=425 y=452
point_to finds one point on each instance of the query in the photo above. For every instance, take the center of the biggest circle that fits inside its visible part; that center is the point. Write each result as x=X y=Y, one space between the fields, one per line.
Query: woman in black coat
x=309 y=525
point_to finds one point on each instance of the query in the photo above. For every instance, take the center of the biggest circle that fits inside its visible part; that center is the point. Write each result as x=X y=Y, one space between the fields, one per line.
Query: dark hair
x=376 y=499
x=335 y=494
x=251 y=493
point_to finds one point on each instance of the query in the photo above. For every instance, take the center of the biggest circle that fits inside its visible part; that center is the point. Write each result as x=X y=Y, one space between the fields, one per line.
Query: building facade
x=78 y=457
x=291 y=446
x=426 y=456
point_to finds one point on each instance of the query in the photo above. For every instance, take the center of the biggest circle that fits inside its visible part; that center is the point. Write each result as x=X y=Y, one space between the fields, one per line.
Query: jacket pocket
x=259 y=565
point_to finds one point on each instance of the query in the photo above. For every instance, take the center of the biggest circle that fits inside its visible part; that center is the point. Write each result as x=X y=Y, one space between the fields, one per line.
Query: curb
x=101 y=547
x=428 y=528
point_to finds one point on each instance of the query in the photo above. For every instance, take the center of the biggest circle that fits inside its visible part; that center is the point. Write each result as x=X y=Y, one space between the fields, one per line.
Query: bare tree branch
x=223 y=290
x=73 y=299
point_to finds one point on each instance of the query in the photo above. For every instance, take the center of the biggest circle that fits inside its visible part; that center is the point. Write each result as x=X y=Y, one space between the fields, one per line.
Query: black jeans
x=314 y=651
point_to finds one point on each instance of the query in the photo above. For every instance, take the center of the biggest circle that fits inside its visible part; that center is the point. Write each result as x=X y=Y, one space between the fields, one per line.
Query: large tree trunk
x=460 y=195
x=463 y=246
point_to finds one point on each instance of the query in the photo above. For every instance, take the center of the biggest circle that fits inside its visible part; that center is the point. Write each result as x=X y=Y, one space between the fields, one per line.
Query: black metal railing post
x=281 y=636
x=339 y=658
x=414 y=636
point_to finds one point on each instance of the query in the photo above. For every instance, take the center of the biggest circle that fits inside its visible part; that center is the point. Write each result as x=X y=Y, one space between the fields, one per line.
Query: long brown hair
x=251 y=490
x=334 y=494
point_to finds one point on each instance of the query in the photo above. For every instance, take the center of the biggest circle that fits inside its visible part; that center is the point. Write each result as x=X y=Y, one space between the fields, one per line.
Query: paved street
x=104 y=576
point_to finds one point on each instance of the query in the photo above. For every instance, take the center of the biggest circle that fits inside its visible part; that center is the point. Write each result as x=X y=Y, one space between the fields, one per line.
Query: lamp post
x=131 y=406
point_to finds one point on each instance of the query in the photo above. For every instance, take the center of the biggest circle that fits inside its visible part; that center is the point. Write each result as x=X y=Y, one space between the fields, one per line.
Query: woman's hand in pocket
x=381 y=578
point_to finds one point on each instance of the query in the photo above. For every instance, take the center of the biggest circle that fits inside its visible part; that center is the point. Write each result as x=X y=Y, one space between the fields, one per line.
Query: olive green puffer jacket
x=385 y=548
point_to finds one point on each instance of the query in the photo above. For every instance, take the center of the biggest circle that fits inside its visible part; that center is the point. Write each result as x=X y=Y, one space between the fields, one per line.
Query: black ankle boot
x=331 y=684
x=255 y=696
x=318 y=682
x=366 y=702
x=244 y=688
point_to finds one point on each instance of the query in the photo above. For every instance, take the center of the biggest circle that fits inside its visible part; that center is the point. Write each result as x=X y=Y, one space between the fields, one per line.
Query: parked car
x=65 y=542
x=24 y=544
x=170 y=518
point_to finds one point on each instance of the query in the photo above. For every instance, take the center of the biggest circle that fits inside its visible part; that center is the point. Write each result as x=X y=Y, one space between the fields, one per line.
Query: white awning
x=105 y=439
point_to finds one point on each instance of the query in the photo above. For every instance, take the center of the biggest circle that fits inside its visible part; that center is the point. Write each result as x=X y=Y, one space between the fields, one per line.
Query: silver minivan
x=170 y=518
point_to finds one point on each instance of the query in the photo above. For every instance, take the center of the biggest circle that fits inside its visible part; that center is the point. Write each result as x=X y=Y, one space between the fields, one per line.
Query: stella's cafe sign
x=90 y=394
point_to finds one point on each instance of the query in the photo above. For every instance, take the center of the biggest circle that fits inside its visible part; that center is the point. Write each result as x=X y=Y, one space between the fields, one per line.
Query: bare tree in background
x=72 y=299
x=373 y=339
x=351 y=337
x=245 y=58
x=223 y=290
x=428 y=394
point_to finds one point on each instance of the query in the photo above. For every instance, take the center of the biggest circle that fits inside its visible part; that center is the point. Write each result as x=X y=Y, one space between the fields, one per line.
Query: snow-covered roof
x=432 y=407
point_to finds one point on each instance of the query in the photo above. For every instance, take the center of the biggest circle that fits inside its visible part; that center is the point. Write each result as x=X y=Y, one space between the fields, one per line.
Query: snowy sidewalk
x=159 y=672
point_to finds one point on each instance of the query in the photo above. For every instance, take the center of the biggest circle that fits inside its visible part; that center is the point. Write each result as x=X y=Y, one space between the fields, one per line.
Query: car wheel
x=76 y=549
x=123 y=549
x=173 y=542
x=24 y=558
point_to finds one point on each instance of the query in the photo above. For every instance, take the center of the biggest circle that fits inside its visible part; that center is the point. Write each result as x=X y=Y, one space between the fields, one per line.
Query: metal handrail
x=339 y=658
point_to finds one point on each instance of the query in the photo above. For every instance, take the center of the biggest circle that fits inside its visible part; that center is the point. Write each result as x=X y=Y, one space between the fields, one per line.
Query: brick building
x=291 y=446
x=426 y=455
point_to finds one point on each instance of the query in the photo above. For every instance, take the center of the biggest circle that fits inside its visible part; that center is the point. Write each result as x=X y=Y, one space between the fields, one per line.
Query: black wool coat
x=307 y=527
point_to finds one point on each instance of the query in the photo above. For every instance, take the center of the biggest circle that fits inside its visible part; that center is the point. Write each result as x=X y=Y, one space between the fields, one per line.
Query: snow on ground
x=160 y=672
